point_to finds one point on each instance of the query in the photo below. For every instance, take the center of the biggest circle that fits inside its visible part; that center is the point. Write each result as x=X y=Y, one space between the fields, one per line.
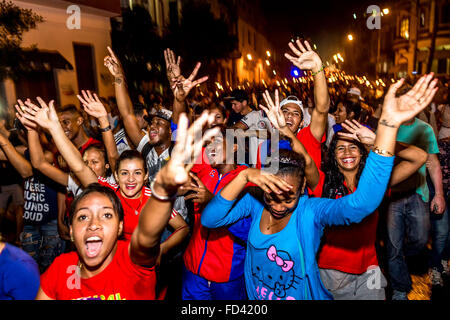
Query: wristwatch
x=108 y=128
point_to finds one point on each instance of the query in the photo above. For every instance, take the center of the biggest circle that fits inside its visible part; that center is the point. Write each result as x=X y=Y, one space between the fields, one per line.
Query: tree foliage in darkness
x=14 y=22
x=199 y=37
x=138 y=46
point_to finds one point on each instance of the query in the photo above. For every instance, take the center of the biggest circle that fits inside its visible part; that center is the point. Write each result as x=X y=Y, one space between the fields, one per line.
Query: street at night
x=191 y=151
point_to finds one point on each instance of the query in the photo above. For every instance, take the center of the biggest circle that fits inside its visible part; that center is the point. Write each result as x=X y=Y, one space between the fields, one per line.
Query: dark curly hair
x=334 y=179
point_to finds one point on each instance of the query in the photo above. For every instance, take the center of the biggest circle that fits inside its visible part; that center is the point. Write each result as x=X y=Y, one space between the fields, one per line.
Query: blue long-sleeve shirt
x=283 y=265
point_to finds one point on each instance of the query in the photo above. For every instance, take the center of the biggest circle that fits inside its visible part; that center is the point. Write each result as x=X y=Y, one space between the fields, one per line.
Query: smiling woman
x=349 y=252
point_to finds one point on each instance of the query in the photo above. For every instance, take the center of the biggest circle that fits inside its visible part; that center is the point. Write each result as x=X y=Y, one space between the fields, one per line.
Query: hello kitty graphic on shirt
x=274 y=273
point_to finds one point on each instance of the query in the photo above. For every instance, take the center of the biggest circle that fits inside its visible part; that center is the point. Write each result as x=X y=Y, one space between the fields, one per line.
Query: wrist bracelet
x=108 y=128
x=320 y=70
x=160 y=197
x=383 y=153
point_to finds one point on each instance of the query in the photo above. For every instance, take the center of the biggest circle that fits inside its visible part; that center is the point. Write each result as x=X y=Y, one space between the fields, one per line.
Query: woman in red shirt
x=348 y=261
x=130 y=171
x=103 y=267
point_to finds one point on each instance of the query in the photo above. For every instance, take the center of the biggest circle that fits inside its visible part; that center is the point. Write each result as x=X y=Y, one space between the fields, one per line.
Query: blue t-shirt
x=19 y=274
x=283 y=265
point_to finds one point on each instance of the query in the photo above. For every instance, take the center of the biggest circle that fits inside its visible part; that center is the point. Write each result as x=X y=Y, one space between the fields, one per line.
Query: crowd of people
x=313 y=190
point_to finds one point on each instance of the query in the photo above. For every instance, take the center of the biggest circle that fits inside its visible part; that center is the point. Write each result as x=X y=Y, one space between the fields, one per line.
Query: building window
x=404 y=28
x=442 y=66
x=445 y=13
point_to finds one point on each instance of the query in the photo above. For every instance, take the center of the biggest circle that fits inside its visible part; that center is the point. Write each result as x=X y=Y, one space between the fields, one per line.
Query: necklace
x=272 y=224
x=136 y=210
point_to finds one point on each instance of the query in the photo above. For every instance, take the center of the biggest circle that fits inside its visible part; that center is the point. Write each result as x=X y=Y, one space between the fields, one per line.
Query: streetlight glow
x=350 y=37
x=268 y=63
x=249 y=57
x=268 y=53
x=386 y=11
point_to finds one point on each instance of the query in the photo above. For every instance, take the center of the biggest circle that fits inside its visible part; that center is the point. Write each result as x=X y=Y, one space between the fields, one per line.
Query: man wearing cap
x=251 y=120
x=354 y=94
x=154 y=146
x=313 y=135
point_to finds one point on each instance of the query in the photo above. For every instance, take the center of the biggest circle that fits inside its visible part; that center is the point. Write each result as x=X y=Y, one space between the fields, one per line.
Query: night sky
x=326 y=23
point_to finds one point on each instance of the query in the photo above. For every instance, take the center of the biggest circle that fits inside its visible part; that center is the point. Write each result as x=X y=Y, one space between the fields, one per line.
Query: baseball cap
x=354 y=91
x=294 y=100
x=161 y=113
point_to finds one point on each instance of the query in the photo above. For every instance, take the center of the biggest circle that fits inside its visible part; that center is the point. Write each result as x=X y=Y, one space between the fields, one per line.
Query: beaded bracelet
x=321 y=69
x=383 y=153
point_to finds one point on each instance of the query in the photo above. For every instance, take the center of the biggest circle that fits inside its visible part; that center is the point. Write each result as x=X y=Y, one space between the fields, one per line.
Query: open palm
x=172 y=66
x=45 y=116
x=187 y=148
x=92 y=104
x=306 y=58
x=397 y=110
x=358 y=132
x=273 y=111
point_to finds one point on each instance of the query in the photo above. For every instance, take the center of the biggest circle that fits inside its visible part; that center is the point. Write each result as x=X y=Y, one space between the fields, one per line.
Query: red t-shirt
x=131 y=207
x=311 y=144
x=121 y=279
x=350 y=249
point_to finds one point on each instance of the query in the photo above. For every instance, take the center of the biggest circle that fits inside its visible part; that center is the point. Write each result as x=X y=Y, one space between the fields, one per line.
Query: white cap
x=354 y=91
x=305 y=115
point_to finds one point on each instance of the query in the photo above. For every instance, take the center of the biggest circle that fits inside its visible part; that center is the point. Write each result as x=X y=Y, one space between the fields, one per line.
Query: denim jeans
x=195 y=287
x=408 y=225
x=440 y=228
x=42 y=243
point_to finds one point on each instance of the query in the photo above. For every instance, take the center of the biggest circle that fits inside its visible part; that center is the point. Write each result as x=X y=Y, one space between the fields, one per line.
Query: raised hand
x=268 y=182
x=397 y=110
x=181 y=86
x=201 y=195
x=113 y=64
x=306 y=58
x=20 y=108
x=187 y=148
x=172 y=66
x=358 y=132
x=92 y=104
x=45 y=116
x=273 y=111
